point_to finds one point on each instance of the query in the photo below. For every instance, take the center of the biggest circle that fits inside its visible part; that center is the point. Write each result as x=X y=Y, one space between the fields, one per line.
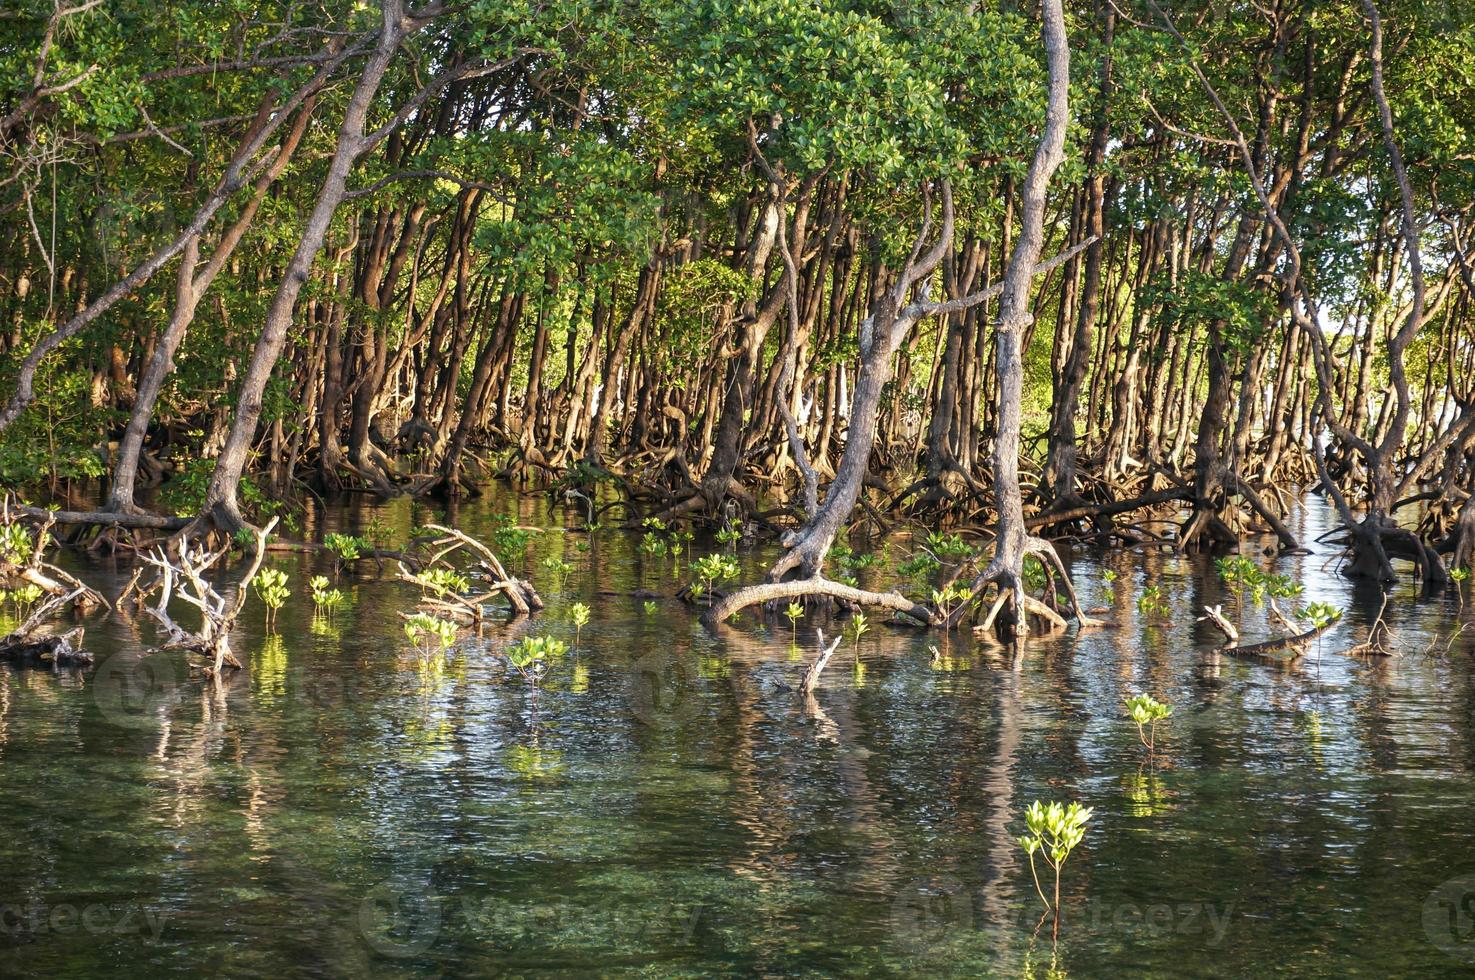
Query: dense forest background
x=254 y=252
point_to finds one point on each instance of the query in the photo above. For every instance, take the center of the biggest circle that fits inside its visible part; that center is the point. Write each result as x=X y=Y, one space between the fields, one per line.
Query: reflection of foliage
x=269 y=668
x=1145 y=794
x=535 y=762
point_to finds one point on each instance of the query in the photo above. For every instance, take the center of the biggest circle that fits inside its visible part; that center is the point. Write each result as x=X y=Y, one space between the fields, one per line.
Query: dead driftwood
x=184 y=578
x=24 y=572
x=1281 y=649
x=22 y=550
x=811 y=675
x=26 y=647
x=520 y=594
x=1379 y=639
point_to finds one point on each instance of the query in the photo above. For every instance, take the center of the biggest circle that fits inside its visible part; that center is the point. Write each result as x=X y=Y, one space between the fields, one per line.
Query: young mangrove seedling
x=510 y=540
x=857 y=627
x=653 y=544
x=443 y=581
x=945 y=598
x=1054 y=831
x=559 y=569
x=1109 y=577
x=919 y=569
x=345 y=548
x=650 y=607
x=324 y=599
x=950 y=548
x=579 y=614
x=1321 y=616
x=795 y=612
x=1151 y=604
x=271 y=586
x=531 y=654
x=712 y=569
x=426 y=633
x=730 y=533
x=1035 y=576
x=1459 y=576
x=1147 y=711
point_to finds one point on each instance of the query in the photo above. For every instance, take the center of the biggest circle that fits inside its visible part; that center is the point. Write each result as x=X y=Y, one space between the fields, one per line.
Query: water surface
x=666 y=806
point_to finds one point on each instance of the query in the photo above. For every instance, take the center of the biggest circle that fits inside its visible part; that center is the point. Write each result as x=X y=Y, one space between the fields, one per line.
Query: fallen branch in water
x=752 y=595
x=1378 y=639
x=811 y=675
x=1296 y=643
x=519 y=592
x=23 y=647
x=104 y=518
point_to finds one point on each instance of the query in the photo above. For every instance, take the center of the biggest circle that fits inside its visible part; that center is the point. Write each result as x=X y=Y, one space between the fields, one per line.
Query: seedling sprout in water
x=1054 y=831
x=1147 y=711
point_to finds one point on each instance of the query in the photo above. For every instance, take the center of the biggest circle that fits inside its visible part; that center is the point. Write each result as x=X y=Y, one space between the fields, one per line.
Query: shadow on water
x=666 y=804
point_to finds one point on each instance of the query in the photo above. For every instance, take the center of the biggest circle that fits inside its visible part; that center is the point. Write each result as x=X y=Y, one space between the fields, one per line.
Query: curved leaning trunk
x=221 y=505
x=807 y=547
x=189 y=291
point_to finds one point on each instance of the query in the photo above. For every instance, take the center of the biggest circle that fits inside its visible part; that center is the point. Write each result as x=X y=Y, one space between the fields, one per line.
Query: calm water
x=666 y=806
